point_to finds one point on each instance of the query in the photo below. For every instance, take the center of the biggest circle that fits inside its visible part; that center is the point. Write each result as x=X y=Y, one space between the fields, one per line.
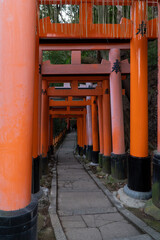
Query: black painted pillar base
x=95 y=157
x=156 y=180
x=77 y=149
x=100 y=157
x=89 y=152
x=40 y=167
x=106 y=162
x=51 y=150
x=139 y=178
x=80 y=151
x=44 y=165
x=119 y=166
x=84 y=150
x=35 y=175
x=20 y=224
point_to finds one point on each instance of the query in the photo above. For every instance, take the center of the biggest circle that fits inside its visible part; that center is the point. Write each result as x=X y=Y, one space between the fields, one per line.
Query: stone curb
x=138 y=223
x=56 y=223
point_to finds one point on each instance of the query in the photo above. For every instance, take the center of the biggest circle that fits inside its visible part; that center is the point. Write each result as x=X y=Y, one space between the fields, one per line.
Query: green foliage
x=59 y=125
x=57 y=57
x=60 y=13
x=152 y=53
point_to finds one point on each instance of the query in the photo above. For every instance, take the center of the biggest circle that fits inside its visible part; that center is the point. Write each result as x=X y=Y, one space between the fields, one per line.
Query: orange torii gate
x=81 y=126
x=17 y=77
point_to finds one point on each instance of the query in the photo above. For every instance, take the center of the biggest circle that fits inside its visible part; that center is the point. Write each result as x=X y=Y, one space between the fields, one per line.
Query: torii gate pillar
x=118 y=155
x=100 y=118
x=89 y=131
x=44 y=126
x=36 y=136
x=139 y=163
x=17 y=67
x=106 y=161
x=95 y=151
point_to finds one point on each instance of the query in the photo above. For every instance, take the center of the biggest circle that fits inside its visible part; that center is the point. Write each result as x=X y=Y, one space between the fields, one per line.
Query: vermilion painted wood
x=70 y=112
x=139 y=85
x=118 y=144
x=66 y=116
x=81 y=79
x=52 y=92
x=36 y=138
x=82 y=46
x=100 y=2
x=45 y=120
x=73 y=103
x=17 y=67
x=95 y=124
x=106 y=119
x=87 y=69
x=100 y=118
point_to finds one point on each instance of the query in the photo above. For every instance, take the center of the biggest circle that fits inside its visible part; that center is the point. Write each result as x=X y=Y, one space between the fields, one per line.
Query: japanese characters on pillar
x=118 y=156
x=44 y=126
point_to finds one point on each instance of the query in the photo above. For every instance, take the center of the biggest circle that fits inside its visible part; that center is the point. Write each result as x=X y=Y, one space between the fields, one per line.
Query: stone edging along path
x=120 y=208
x=56 y=223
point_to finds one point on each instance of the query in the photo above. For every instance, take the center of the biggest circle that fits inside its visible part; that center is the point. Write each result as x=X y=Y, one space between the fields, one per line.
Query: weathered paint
x=17 y=66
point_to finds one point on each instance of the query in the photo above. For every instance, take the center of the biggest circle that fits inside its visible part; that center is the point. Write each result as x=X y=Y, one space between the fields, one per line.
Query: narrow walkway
x=85 y=212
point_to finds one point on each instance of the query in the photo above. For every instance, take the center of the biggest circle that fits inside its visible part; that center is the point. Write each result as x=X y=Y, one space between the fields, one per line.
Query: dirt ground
x=45 y=230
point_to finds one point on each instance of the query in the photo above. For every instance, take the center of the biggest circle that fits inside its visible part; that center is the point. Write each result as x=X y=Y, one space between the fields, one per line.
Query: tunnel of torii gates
x=28 y=104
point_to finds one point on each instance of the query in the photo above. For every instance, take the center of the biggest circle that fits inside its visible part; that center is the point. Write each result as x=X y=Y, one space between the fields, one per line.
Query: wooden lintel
x=53 y=103
x=66 y=116
x=80 y=79
x=51 y=112
x=82 y=46
x=80 y=69
x=69 y=69
x=52 y=92
x=100 y=2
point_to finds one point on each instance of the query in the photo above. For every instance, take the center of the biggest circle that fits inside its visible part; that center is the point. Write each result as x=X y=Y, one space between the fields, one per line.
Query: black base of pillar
x=84 y=150
x=139 y=178
x=156 y=180
x=40 y=167
x=77 y=149
x=95 y=156
x=20 y=224
x=44 y=165
x=89 y=152
x=51 y=150
x=100 y=156
x=35 y=175
x=119 y=166
x=80 y=151
x=106 y=162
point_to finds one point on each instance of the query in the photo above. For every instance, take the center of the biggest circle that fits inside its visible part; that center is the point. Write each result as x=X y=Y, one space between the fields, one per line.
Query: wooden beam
x=80 y=79
x=82 y=46
x=85 y=31
x=52 y=92
x=67 y=112
x=87 y=69
x=53 y=103
x=100 y=2
x=66 y=116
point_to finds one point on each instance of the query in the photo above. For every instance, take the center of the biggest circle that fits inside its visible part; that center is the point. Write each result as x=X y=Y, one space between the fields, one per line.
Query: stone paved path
x=84 y=211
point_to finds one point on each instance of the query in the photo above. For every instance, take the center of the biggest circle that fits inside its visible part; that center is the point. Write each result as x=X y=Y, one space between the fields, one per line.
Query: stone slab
x=83 y=234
